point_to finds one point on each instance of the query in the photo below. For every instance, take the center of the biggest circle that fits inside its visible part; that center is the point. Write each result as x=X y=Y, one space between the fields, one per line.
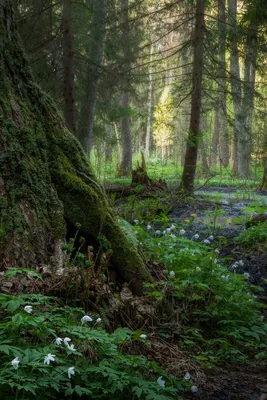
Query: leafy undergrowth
x=52 y=351
x=255 y=236
x=203 y=314
x=210 y=310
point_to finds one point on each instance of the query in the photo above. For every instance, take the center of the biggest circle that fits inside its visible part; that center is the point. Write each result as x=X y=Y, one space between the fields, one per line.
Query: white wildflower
x=182 y=232
x=71 y=372
x=58 y=341
x=173 y=236
x=194 y=389
x=246 y=275
x=143 y=336
x=66 y=341
x=198 y=269
x=211 y=237
x=28 y=309
x=86 y=318
x=217 y=251
x=168 y=230
x=161 y=382
x=196 y=236
x=48 y=358
x=71 y=347
x=164 y=232
x=234 y=266
x=98 y=320
x=149 y=227
x=157 y=233
x=136 y=221
x=172 y=273
x=206 y=241
x=172 y=226
x=187 y=376
x=241 y=263
x=15 y=363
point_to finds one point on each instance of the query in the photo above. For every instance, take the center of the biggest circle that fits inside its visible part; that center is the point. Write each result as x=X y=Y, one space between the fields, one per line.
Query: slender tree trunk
x=95 y=57
x=149 y=104
x=245 y=134
x=188 y=177
x=223 y=128
x=126 y=139
x=263 y=184
x=203 y=144
x=215 y=138
x=68 y=64
x=235 y=79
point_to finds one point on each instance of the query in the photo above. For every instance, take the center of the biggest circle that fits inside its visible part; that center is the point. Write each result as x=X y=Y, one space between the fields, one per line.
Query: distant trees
x=113 y=60
x=95 y=53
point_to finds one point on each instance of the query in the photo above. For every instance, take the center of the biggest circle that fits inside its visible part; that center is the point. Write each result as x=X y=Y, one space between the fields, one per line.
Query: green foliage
x=218 y=310
x=100 y=369
x=253 y=236
x=129 y=231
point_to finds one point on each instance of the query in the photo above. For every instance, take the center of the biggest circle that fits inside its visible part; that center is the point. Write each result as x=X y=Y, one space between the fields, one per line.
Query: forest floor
x=221 y=211
x=243 y=382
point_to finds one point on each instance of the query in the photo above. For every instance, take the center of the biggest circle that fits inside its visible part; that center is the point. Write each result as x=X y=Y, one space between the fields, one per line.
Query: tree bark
x=223 y=131
x=189 y=171
x=203 y=145
x=149 y=104
x=215 y=139
x=245 y=134
x=68 y=65
x=95 y=57
x=126 y=138
x=45 y=177
x=235 y=79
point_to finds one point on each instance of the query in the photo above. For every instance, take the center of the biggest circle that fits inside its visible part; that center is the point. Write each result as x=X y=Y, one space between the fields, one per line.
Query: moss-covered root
x=85 y=203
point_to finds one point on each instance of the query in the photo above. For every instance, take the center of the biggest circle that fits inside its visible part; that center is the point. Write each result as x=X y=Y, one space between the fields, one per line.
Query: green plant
x=50 y=351
x=209 y=298
x=254 y=236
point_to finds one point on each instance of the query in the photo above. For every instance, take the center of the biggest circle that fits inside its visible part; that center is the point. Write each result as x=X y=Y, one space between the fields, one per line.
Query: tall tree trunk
x=203 y=144
x=126 y=139
x=149 y=104
x=245 y=134
x=235 y=79
x=68 y=65
x=214 y=155
x=188 y=177
x=95 y=57
x=223 y=128
x=45 y=177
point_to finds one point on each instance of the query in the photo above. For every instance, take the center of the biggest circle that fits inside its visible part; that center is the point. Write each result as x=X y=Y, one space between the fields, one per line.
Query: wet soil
x=242 y=383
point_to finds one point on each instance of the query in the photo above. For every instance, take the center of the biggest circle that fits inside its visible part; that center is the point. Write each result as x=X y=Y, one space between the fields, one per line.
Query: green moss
x=46 y=174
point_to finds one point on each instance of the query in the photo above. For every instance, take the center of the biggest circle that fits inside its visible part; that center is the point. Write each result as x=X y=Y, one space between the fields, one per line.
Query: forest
x=133 y=199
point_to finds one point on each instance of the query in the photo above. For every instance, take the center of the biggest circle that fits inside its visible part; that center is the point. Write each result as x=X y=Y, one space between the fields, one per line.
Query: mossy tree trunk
x=45 y=177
